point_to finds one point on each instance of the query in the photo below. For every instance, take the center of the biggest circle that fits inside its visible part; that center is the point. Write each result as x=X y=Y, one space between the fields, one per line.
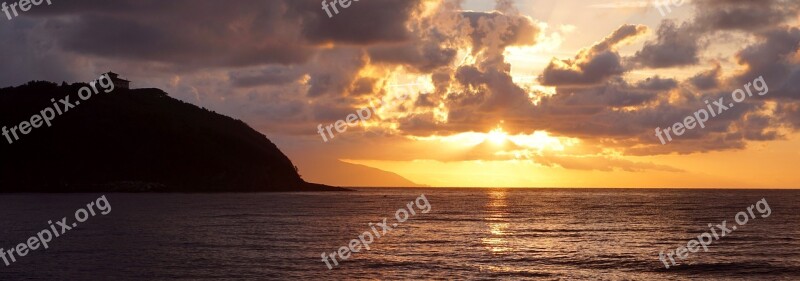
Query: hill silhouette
x=135 y=140
x=338 y=172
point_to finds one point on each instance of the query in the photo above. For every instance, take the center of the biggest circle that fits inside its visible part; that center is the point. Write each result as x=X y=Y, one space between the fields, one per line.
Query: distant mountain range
x=135 y=141
x=340 y=173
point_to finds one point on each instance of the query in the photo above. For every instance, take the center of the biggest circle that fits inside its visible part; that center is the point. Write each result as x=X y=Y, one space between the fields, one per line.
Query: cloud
x=30 y=54
x=423 y=56
x=674 y=46
x=285 y=67
x=622 y=5
x=708 y=79
x=592 y=65
x=270 y=75
x=497 y=30
x=334 y=71
x=770 y=58
x=200 y=34
x=743 y=14
x=363 y=23
x=183 y=33
x=657 y=83
x=682 y=45
x=601 y=163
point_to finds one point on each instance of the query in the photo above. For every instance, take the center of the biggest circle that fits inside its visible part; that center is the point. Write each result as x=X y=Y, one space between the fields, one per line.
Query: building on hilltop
x=119 y=83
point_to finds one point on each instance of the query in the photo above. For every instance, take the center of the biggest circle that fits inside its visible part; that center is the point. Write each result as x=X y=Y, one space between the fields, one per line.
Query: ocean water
x=468 y=234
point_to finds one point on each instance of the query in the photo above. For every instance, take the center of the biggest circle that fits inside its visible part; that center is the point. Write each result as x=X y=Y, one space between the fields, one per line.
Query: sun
x=497 y=136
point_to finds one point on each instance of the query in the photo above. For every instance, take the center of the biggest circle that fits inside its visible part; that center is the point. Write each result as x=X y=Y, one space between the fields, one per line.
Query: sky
x=474 y=93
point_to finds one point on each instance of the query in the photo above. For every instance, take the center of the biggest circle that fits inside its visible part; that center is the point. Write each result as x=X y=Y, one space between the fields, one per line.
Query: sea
x=466 y=234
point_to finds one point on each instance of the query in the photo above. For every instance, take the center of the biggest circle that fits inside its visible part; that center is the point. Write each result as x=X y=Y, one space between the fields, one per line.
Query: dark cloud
x=759 y=127
x=330 y=113
x=789 y=113
x=420 y=124
x=423 y=56
x=592 y=65
x=674 y=46
x=503 y=29
x=334 y=71
x=657 y=84
x=30 y=54
x=363 y=22
x=708 y=79
x=613 y=93
x=364 y=86
x=425 y=101
x=593 y=70
x=194 y=34
x=771 y=58
x=270 y=75
x=182 y=32
x=745 y=15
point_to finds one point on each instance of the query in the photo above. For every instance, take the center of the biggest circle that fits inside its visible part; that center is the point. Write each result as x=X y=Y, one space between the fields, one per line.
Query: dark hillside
x=135 y=140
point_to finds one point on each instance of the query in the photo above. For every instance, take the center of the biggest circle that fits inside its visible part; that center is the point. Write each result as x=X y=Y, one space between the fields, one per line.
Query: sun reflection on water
x=496 y=220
